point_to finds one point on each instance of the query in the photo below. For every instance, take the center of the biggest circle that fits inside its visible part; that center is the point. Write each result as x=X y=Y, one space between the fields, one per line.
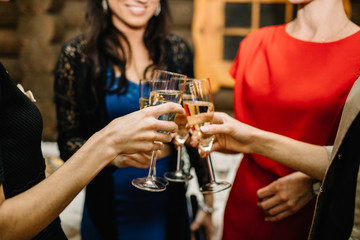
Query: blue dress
x=139 y=214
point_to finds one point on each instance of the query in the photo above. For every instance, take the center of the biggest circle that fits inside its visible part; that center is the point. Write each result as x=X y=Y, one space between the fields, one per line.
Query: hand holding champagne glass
x=145 y=87
x=179 y=175
x=199 y=108
x=163 y=87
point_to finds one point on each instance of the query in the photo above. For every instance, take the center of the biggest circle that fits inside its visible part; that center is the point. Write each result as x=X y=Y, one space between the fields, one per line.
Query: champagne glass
x=145 y=86
x=164 y=87
x=179 y=175
x=199 y=107
x=144 y=92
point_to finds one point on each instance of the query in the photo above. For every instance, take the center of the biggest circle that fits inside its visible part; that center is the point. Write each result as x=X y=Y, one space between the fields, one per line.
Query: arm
x=233 y=135
x=28 y=213
x=204 y=217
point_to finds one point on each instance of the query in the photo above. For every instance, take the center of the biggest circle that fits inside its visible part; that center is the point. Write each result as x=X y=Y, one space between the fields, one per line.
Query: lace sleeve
x=67 y=110
x=181 y=59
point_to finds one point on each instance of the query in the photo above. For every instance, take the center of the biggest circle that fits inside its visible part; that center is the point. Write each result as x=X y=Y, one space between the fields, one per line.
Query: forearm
x=28 y=213
x=308 y=158
x=209 y=200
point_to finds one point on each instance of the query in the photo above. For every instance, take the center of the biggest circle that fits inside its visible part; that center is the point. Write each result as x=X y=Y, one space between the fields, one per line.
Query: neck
x=138 y=59
x=321 y=21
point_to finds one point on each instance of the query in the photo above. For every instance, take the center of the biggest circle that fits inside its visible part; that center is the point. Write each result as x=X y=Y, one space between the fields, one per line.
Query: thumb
x=195 y=226
x=212 y=129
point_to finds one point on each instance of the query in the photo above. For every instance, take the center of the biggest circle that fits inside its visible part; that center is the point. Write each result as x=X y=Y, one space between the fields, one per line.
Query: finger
x=219 y=117
x=162 y=109
x=150 y=146
x=195 y=226
x=141 y=158
x=214 y=129
x=202 y=153
x=215 y=147
x=134 y=163
x=278 y=217
x=163 y=137
x=194 y=141
x=268 y=203
x=266 y=192
x=168 y=126
x=176 y=143
x=180 y=119
x=209 y=233
x=277 y=209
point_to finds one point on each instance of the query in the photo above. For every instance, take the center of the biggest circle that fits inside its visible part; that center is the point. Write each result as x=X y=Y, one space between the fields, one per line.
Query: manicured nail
x=204 y=129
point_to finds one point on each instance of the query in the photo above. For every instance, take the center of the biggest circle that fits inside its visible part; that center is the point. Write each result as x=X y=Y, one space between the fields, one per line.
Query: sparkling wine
x=181 y=137
x=182 y=133
x=144 y=102
x=200 y=114
x=164 y=96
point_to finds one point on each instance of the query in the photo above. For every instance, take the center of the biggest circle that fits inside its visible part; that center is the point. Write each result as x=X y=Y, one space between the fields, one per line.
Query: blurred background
x=32 y=32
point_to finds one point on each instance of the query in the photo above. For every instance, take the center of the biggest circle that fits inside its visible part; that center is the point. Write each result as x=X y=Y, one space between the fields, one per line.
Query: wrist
x=98 y=141
x=207 y=209
x=260 y=142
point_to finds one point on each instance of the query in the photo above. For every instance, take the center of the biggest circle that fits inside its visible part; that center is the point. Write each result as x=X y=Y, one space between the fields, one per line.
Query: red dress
x=291 y=87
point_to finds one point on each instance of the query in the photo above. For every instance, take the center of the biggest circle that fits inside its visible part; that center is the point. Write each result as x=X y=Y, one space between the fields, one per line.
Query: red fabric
x=294 y=88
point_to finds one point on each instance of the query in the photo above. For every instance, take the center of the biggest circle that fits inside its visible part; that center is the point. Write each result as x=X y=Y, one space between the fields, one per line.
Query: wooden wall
x=32 y=32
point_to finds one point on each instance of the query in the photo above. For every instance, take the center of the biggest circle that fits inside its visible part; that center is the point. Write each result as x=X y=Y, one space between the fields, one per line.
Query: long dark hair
x=103 y=42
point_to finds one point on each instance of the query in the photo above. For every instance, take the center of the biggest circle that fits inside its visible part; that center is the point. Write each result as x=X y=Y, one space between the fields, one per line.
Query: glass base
x=214 y=187
x=177 y=176
x=162 y=180
x=148 y=184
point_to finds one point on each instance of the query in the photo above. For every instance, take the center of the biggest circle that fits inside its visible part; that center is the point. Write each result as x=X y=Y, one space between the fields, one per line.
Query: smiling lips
x=137 y=10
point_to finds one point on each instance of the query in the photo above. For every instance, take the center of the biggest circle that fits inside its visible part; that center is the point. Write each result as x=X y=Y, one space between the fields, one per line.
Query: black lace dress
x=81 y=112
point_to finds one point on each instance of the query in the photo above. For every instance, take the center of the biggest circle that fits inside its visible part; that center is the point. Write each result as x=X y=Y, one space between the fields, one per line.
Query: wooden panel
x=9 y=42
x=13 y=67
x=44 y=28
x=215 y=37
x=355 y=17
x=182 y=12
x=237 y=15
x=73 y=14
x=9 y=14
x=208 y=40
x=34 y=6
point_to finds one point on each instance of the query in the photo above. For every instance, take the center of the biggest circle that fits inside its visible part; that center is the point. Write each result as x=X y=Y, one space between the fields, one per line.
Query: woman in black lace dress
x=97 y=80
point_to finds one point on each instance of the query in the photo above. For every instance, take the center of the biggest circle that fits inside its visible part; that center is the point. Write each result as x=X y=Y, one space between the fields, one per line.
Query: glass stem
x=211 y=169
x=151 y=173
x=178 y=163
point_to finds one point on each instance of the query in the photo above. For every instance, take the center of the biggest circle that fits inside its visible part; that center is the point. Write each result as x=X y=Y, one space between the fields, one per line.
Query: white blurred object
x=72 y=214
x=225 y=167
x=71 y=217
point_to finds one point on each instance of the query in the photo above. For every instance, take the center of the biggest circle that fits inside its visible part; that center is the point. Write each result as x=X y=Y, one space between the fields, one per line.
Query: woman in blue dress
x=96 y=80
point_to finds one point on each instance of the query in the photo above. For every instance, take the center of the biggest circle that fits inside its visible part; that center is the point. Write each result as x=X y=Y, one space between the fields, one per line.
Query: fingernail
x=204 y=129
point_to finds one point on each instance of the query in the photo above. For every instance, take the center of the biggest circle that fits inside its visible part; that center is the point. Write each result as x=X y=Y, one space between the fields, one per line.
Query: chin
x=138 y=25
x=300 y=1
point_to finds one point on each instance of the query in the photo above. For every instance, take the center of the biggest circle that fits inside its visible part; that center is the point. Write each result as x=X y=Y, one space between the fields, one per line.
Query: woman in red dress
x=292 y=80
